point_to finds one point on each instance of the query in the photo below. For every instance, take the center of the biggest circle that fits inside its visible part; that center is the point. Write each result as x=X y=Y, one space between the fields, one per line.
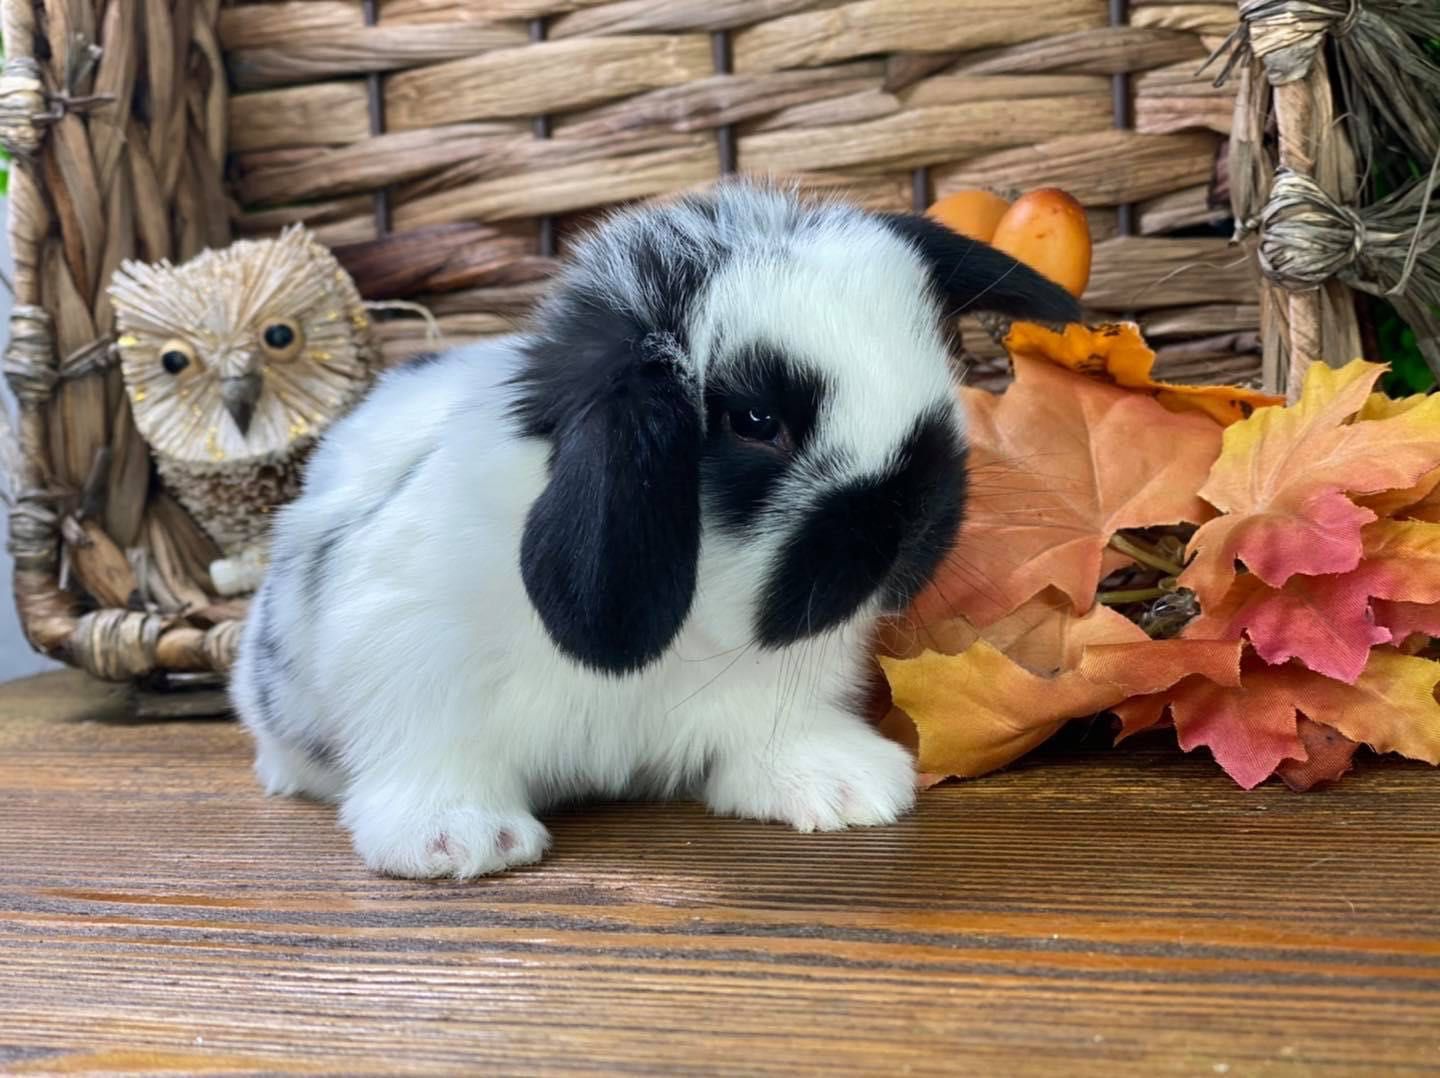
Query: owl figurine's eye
x=176 y=356
x=281 y=339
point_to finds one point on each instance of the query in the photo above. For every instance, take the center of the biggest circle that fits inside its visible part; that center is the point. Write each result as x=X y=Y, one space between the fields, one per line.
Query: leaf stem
x=1136 y=595
x=1144 y=554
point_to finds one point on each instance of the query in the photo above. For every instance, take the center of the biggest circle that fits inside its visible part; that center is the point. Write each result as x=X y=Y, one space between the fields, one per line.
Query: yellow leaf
x=1391 y=708
x=1004 y=694
x=978 y=711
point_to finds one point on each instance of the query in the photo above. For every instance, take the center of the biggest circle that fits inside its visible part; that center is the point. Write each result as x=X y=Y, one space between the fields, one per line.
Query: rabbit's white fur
x=394 y=663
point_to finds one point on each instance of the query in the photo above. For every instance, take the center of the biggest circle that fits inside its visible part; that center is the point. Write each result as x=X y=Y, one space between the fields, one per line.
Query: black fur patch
x=973 y=276
x=884 y=534
x=739 y=477
x=317 y=566
x=322 y=752
x=610 y=546
x=591 y=336
x=930 y=491
x=269 y=650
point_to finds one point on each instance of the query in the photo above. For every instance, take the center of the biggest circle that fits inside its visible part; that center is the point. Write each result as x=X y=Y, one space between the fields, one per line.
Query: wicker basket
x=447 y=151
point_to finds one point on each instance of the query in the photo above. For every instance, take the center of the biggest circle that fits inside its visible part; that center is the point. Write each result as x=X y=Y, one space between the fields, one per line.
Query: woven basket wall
x=448 y=151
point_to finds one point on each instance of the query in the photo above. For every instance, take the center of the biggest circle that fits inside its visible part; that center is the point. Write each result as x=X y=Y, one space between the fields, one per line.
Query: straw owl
x=234 y=363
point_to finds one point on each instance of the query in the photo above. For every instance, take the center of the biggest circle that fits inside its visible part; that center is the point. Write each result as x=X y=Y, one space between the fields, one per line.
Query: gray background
x=16 y=658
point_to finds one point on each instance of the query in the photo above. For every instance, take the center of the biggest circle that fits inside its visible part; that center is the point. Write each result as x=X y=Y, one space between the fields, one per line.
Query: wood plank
x=1088 y=912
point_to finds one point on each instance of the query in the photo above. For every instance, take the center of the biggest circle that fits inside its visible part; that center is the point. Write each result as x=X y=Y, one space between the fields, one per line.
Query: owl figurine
x=234 y=363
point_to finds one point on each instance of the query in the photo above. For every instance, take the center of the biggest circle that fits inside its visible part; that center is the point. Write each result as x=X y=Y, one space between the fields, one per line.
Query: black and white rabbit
x=636 y=549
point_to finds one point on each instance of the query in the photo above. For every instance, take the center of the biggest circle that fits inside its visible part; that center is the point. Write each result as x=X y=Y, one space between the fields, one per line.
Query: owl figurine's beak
x=239 y=396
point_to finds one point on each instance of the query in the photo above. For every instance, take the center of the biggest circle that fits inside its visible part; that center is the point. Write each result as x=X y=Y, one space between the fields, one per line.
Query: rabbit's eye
x=755 y=425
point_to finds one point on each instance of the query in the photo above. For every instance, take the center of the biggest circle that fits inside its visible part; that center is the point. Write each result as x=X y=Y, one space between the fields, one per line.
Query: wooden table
x=1087 y=912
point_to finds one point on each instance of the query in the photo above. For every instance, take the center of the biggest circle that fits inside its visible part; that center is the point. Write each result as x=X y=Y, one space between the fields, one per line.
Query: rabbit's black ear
x=610 y=547
x=973 y=276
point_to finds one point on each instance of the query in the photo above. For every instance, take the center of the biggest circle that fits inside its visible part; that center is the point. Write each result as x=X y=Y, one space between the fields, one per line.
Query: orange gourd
x=1047 y=230
x=971 y=212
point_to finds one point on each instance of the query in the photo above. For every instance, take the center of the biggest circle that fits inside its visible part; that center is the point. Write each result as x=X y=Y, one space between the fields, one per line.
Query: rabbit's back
x=364 y=564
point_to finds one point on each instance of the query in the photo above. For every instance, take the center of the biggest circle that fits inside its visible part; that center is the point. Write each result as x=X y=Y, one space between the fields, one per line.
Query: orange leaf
x=1043 y=634
x=1143 y=668
x=1116 y=353
x=1058 y=465
x=1284 y=473
x=1140 y=713
x=1427 y=508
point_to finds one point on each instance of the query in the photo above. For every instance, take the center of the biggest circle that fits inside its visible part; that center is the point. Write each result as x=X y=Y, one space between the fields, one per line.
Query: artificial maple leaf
x=1324 y=621
x=1394 y=503
x=1140 y=714
x=1404 y=620
x=1058 y=465
x=1116 y=353
x=1283 y=476
x=1328 y=755
x=1252 y=729
x=1328 y=622
x=1042 y=634
x=1427 y=508
x=1017 y=682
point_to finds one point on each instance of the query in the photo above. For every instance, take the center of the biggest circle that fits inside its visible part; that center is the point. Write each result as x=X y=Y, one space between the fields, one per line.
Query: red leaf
x=1249 y=733
x=1324 y=621
x=1327 y=622
x=1253 y=729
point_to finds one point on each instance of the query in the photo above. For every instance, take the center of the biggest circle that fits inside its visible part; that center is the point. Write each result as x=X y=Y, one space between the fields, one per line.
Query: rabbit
x=636 y=548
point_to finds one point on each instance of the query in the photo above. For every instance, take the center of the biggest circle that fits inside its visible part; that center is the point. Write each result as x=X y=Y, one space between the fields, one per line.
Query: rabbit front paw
x=461 y=841
x=827 y=781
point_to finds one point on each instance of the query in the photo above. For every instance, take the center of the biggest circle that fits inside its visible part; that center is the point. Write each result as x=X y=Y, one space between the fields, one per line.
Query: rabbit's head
x=752 y=396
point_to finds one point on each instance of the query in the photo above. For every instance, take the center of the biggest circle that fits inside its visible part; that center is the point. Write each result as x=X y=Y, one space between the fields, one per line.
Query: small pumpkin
x=971 y=212
x=1047 y=230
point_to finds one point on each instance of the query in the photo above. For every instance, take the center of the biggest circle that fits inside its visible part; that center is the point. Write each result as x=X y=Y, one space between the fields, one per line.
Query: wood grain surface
x=1087 y=912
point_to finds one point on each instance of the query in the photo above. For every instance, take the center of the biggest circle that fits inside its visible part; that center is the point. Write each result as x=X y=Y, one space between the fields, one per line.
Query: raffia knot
x=1389 y=249
x=115 y=644
x=22 y=104
x=1306 y=237
x=1287 y=35
x=1352 y=16
x=30 y=363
